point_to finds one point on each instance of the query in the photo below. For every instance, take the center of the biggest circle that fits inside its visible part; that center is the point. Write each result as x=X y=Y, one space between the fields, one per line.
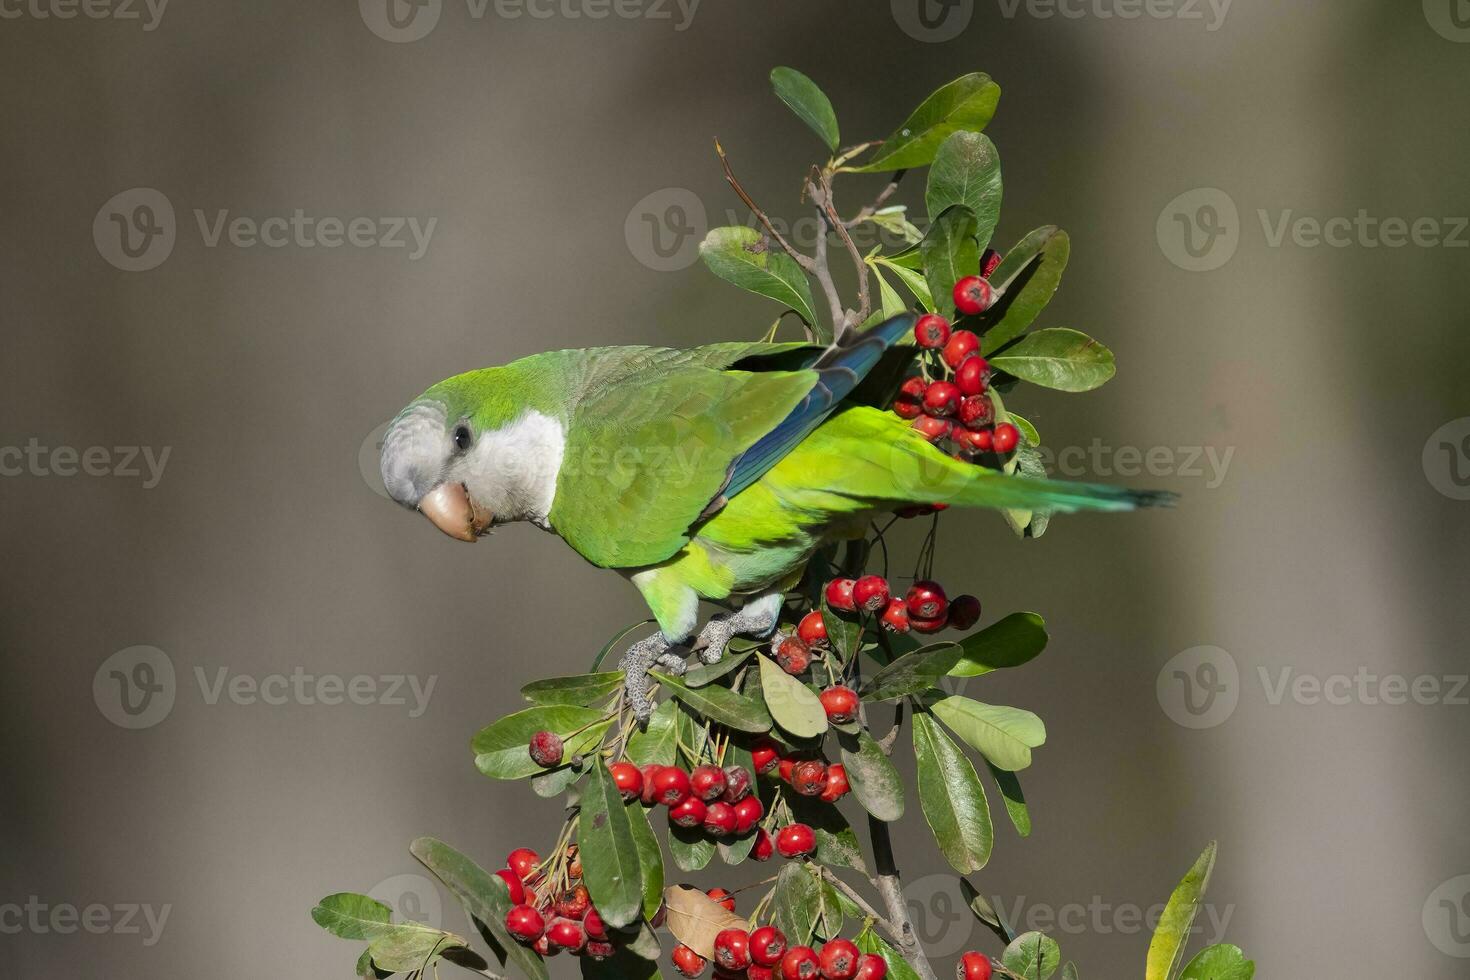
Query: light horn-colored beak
x=452 y=511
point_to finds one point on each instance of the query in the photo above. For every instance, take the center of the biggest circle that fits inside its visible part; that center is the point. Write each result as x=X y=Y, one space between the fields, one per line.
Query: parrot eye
x=462 y=438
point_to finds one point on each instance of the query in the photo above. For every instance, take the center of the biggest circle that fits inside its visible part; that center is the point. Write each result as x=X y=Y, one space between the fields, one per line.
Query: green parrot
x=708 y=473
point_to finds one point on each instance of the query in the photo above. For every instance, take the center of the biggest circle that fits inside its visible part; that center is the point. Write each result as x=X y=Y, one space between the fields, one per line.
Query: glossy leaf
x=1033 y=956
x=952 y=798
x=966 y=171
x=985 y=912
x=501 y=749
x=1058 y=358
x=875 y=781
x=950 y=253
x=610 y=859
x=794 y=908
x=690 y=847
x=1004 y=735
x=965 y=103
x=650 y=860
x=718 y=704
x=1015 y=800
x=895 y=221
x=913 y=672
x=709 y=673
x=915 y=282
x=843 y=631
x=739 y=255
x=1015 y=640
x=1219 y=962
x=1166 y=949
x=792 y=704
x=898 y=968
x=554 y=782
x=810 y=103
x=656 y=744
x=1025 y=289
x=397 y=947
x=578 y=689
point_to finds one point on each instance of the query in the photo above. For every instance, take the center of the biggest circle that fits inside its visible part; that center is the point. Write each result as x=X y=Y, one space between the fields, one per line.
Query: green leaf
x=913 y=672
x=1166 y=949
x=965 y=103
x=1003 y=735
x=914 y=280
x=719 y=704
x=1024 y=291
x=656 y=744
x=1028 y=431
x=952 y=798
x=985 y=912
x=810 y=103
x=650 y=860
x=875 y=782
x=484 y=897
x=1033 y=956
x=578 y=689
x=625 y=964
x=1058 y=358
x=690 y=847
x=616 y=642
x=1015 y=800
x=501 y=749
x=554 y=782
x=895 y=221
x=890 y=304
x=829 y=917
x=735 y=850
x=837 y=842
x=348 y=915
x=738 y=255
x=609 y=851
x=794 y=908
x=792 y=704
x=1015 y=640
x=898 y=968
x=843 y=634
x=366 y=970
x=706 y=674
x=950 y=253
x=1219 y=962
x=411 y=947
x=967 y=171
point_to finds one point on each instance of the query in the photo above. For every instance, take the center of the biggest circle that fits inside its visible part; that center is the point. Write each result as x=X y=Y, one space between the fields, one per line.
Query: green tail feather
x=986 y=488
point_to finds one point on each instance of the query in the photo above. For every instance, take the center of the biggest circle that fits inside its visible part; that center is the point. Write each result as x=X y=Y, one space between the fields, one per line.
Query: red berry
x=599 y=949
x=732 y=949
x=522 y=861
x=839 y=594
x=737 y=784
x=839 y=960
x=764 y=847
x=512 y=885
x=973 y=295
x=931 y=331
x=544 y=948
x=722 y=897
x=932 y=428
x=524 y=923
x=968 y=440
x=627 y=779
x=574 y=861
x=707 y=782
x=800 y=963
x=767 y=946
x=870 y=593
x=719 y=820
x=671 y=786
x=690 y=813
x=793 y=655
x=926 y=600
x=988 y=262
x=909 y=402
x=840 y=703
x=1006 y=437
x=942 y=398
x=973 y=966
x=687 y=961
x=808 y=778
x=984 y=440
x=786 y=765
x=812 y=629
x=649 y=794
x=546 y=749
x=973 y=375
x=765 y=755
x=566 y=934
x=759 y=973
x=976 y=410
x=837 y=785
x=895 y=618
x=964 y=612
x=796 y=839
x=596 y=928
x=574 y=903
x=928 y=625
x=872 y=967
x=960 y=346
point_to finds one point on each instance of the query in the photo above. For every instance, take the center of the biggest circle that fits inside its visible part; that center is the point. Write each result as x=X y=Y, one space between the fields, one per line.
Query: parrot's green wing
x=647 y=454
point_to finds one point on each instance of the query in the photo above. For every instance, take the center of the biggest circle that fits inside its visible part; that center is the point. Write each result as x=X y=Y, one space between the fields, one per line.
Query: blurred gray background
x=547 y=150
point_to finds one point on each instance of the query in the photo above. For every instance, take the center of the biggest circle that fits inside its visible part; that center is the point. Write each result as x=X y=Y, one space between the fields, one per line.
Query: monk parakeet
x=708 y=473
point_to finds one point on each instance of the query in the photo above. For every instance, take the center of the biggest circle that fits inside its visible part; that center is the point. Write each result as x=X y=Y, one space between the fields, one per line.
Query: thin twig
x=823 y=272
x=878 y=202
x=860 y=902
x=891 y=889
x=802 y=260
x=821 y=192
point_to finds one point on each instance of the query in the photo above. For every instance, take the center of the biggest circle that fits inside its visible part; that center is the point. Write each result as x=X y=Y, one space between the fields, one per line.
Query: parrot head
x=469 y=454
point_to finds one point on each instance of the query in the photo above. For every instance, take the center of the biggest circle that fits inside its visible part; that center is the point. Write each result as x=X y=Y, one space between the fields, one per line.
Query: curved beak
x=452 y=511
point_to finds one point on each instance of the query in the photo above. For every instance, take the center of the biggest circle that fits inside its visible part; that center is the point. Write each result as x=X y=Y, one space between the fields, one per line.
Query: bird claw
x=757 y=618
x=637 y=662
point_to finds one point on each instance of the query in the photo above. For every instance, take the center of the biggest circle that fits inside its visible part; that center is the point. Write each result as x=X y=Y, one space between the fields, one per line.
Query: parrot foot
x=757 y=618
x=637 y=662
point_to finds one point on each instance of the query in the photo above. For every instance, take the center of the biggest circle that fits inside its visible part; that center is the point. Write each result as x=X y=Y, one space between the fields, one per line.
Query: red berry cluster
x=719 y=800
x=924 y=608
x=762 y=954
x=548 y=922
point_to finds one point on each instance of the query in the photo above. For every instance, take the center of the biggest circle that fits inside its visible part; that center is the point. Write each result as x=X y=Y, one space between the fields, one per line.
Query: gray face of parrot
x=421 y=457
